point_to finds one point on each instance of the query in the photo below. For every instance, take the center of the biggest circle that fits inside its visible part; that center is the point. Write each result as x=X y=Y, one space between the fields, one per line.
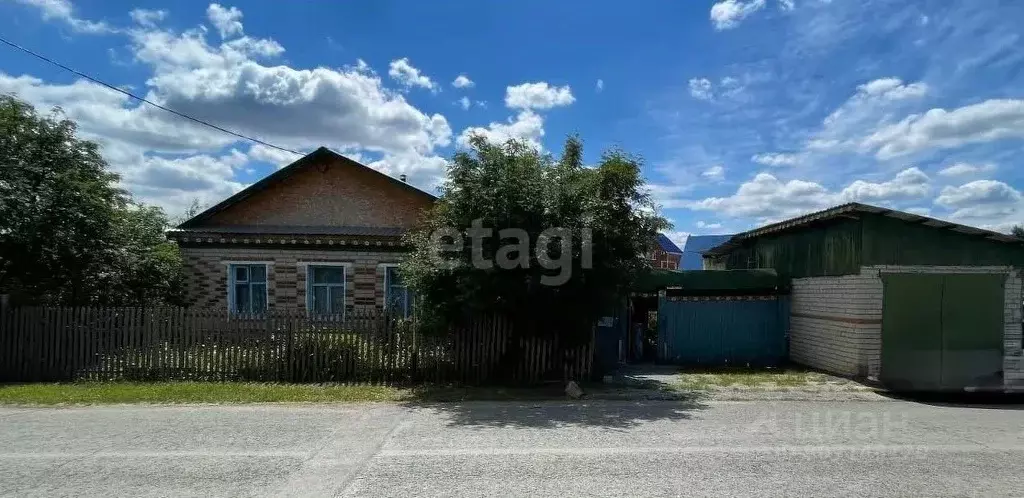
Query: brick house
x=666 y=254
x=321 y=234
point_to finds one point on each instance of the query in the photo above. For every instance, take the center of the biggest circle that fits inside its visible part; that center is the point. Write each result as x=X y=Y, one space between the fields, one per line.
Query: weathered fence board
x=63 y=344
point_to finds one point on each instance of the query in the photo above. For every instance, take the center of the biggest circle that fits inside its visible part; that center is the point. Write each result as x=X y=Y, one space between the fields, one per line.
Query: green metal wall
x=889 y=241
x=830 y=248
x=942 y=331
x=842 y=246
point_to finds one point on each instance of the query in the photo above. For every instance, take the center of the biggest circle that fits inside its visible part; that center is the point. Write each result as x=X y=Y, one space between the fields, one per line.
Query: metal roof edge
x=857 y=207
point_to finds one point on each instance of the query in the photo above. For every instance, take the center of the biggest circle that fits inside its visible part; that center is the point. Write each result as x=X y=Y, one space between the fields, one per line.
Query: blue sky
x=745 y=111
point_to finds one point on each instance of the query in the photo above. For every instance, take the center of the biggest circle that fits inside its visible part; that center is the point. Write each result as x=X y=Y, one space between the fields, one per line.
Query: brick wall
x=836 y=322
x=664 y=260
x=206 y=270
x=333 y=193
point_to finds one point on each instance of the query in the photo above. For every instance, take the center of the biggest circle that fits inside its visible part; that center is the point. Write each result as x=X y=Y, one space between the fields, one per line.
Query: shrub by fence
x=61 y=344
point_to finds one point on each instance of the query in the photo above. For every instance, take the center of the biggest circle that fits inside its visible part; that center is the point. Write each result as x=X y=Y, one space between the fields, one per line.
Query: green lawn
x=768 y=379
x=89 y=393
x=100 y=393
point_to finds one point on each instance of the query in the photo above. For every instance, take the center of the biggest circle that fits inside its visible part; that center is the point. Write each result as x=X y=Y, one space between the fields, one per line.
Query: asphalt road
x=595 y=448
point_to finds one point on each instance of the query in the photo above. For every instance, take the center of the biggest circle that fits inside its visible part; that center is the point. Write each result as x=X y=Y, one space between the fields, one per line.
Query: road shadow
x=628 y=398
x=608 y=414
x=985 y=400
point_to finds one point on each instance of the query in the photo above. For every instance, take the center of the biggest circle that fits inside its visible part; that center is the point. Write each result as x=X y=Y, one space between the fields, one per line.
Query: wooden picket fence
x=64 y=344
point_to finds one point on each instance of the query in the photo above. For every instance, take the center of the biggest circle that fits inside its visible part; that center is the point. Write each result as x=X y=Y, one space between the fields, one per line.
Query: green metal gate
x=942 y=331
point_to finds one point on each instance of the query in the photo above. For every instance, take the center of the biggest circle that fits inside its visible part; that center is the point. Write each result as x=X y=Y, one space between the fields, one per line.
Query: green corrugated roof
x=853 y=208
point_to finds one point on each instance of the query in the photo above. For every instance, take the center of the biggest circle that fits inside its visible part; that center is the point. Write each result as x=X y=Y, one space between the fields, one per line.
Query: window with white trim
x=397 y=296
x=325 y=289
x=247 y=288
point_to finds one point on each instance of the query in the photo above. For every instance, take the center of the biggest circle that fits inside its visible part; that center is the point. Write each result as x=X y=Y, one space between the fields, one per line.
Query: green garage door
x=942 y=331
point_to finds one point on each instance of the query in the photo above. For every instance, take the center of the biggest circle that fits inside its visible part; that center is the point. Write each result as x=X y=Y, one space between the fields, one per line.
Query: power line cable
x=144 y=100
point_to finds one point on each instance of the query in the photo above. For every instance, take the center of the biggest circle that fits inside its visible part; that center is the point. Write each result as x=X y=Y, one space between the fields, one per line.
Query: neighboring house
x=917 y=302
x=322 y=234
x=693 y=250
x=665 y=255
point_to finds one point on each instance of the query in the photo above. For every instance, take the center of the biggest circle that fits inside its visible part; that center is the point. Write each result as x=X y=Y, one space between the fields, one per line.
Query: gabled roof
x=693 y=250
x=321 y=154
x=851 y=210
x=667 y=245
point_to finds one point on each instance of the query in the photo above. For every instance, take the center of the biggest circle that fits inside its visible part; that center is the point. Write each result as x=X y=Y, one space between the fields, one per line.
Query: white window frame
x=344 y=265
x=387 y=289
x=230 y=265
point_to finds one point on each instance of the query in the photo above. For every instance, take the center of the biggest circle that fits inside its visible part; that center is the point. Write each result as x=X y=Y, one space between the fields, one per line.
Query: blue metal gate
x=723 y=330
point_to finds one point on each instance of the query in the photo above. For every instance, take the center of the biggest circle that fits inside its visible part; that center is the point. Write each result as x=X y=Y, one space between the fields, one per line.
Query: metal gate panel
x=912 y=331
x=972 y=330
x=722 y=331
x=609 y=337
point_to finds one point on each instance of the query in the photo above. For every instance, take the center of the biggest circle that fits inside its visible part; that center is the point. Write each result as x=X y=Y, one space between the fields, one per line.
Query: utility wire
x=141 y=99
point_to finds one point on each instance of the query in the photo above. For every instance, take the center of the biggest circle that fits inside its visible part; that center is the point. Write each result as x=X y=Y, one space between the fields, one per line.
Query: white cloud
x=147 y=18
x=426 y=172
x=465 y=103
x=872 y=105
x=668 y=195
x=344 y=108
x=910 y=183
x=978 y=192
x=175 y=182
x=728 y=13
x=700 y=88
x=936 y=129
x=708 y=226
x=63 y=11
x=526 y=126
x=964 y=169
x=277 y=157
x=893 y=89
x=228 y=21
x=403 y=72
x=599 y=86
x=776 y=159
x=986 y=203
x=729 y=87
x=462 y=81
x=715 y=173
x=228 y=84
x=767 y=198
x=538 y=95
x=786 y=5
x=112 y=117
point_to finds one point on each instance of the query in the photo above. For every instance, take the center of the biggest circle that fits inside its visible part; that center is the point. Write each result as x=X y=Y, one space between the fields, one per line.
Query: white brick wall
x=836 y=321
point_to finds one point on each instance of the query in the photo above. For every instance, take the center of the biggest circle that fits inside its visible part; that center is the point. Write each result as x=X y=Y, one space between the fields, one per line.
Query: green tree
x=1017 y=231
x=610 y=216
x=68 y=234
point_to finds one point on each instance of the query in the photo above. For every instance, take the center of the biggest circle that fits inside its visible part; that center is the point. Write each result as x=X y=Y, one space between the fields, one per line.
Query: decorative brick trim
x=833 y=318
